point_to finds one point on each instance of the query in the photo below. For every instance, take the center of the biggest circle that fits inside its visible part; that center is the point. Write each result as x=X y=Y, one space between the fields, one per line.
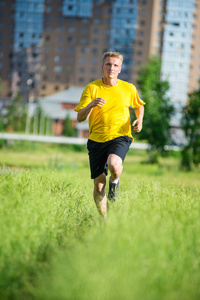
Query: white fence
x=67 y=140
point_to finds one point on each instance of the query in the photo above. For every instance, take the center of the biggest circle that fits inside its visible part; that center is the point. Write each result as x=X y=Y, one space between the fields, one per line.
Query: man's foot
x=113 y=190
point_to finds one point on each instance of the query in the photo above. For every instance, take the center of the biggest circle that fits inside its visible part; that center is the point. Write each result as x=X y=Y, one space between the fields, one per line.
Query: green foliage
x=2 y=143
x=39 y=123
x=68 y=129
x=158 y=109
x=191 y=125
x=16 y=114
x=2 y=126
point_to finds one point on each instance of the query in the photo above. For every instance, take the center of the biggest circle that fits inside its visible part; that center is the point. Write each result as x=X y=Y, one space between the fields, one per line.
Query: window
x=58 y=69
x=85 y=21
x=44 y=68
x=47 y=18
x=97 y=11
x=96 y=31
x=97 y=21
x=69 y=60
x=57 y=58
x=48 y=9
x=47 y=28
x=71 y=29
x=82 y=60
x=95 y=51
x=70 y=49
x=71 y=39
x=84 y=41
x=69 y=69
x=59 y=49
x=84 y=30
x=84 y=50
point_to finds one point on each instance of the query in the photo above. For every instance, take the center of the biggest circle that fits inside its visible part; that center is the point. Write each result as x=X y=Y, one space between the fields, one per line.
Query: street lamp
x=30 y=83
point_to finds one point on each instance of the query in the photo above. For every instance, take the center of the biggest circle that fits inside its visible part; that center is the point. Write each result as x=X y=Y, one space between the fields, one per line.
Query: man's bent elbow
x=80 y=118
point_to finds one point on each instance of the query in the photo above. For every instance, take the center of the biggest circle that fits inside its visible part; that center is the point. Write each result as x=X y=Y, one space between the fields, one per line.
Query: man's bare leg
x=100 y=195
x=115 y=166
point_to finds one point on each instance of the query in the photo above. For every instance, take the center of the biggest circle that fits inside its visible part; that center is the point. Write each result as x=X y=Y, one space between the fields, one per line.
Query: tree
x=190 y=124
x=158 y=109
x=16 y=114
x=68 y=129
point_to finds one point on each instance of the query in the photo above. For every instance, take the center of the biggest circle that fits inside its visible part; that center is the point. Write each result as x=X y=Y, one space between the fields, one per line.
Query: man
x=106 y=103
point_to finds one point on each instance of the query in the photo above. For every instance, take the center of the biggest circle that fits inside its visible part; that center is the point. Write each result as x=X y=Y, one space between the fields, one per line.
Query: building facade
x=47 y=46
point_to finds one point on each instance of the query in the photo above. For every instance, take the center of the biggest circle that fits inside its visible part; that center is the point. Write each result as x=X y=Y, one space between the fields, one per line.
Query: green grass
x=54 y=245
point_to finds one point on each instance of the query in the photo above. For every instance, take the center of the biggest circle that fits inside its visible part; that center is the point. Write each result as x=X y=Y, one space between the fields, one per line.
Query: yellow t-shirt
x=112 y=120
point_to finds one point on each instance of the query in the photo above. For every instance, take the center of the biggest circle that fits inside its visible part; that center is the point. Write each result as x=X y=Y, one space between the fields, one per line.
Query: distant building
x=60 y=105
x=58 y=44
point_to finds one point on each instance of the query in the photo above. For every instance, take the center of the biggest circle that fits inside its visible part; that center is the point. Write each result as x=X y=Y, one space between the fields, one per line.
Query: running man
x=106 y=103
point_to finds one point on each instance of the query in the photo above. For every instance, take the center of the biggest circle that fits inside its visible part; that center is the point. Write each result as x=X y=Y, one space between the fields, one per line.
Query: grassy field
x=54 y=245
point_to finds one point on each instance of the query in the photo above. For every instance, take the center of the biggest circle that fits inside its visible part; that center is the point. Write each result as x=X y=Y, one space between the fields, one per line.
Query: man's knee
x=114 y=163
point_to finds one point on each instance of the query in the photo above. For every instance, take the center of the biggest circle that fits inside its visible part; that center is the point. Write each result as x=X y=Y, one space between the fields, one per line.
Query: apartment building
x=47 y=45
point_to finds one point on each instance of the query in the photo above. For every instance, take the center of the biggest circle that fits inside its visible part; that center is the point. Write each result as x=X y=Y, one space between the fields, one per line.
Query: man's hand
x=137 y=125
x=84 y=113
x=98 y=102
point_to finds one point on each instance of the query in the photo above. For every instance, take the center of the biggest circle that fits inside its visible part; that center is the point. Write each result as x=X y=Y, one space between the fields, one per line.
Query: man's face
x=111 y=67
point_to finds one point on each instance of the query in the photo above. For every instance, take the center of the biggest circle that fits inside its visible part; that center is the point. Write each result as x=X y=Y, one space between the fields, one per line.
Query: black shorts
x=99 y=152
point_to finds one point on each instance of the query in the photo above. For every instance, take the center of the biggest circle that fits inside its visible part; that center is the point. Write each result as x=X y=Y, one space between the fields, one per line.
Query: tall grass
x=54 y=245
x=41 y=211
x=148 y=248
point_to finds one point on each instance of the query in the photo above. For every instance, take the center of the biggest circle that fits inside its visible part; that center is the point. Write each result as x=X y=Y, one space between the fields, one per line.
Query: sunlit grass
x=54 y=245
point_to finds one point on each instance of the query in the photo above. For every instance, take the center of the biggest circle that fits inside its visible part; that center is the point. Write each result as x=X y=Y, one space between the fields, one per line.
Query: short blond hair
x=113 y=54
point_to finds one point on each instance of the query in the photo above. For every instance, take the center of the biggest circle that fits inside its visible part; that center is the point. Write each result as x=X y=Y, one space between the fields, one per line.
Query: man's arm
x=139 y=112
x=84 y=113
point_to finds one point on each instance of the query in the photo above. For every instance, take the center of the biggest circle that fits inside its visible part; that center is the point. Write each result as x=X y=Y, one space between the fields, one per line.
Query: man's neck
x=110 y=82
